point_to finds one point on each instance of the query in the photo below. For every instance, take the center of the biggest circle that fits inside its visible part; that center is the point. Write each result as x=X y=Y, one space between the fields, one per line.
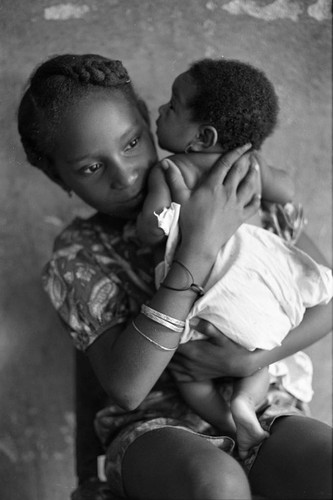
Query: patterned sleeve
x=88 y=298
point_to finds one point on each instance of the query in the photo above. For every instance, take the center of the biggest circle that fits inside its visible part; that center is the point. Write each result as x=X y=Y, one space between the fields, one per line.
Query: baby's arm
x=204 y=398
x=158 y=197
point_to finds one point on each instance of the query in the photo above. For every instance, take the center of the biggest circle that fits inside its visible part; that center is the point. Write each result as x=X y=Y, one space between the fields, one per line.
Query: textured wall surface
x=289 y=39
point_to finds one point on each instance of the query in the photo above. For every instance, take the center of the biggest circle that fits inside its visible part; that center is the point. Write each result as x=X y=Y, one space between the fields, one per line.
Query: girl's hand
x=223 y=200
x=218 y=356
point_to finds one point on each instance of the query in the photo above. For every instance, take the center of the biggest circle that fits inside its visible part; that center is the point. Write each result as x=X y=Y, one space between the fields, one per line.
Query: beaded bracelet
x=172 y=323
x=193 y=286
x=162 y=347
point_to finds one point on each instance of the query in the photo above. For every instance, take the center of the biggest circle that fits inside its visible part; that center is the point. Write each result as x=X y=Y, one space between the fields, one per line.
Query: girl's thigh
x=171 y=463
x=295 y=461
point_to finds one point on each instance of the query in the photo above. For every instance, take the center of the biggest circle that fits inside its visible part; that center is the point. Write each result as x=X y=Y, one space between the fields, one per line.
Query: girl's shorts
x=278 y=403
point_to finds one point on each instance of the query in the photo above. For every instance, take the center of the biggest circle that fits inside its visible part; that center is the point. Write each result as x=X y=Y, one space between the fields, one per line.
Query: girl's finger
x=175 y=181
x=252 y=207
x=222 y=166
x=249 y=186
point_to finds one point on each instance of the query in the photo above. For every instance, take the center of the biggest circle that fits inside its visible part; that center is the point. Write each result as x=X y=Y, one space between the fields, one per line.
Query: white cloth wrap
x=256 y=293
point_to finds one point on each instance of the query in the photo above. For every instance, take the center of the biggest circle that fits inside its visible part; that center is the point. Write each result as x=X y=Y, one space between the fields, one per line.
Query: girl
x=216 y=106
x=81 y=123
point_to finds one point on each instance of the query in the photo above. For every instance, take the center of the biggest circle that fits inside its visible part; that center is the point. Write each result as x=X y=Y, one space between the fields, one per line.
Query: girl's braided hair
x=236 y=98
x=53 y=87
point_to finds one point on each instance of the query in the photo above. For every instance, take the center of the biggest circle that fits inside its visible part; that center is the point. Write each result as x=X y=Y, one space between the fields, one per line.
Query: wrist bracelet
x=168 y=321
x=159 y=346
x=193 y=286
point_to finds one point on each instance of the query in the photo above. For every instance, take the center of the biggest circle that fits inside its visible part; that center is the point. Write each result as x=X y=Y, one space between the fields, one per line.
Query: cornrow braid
x=53 y=87
x=87 y=69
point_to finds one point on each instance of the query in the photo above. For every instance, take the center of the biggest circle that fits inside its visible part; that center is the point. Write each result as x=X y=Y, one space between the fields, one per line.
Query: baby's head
x=218 y=105
x=54 y=90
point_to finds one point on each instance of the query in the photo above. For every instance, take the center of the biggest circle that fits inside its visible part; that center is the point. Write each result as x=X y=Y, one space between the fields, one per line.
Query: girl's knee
x=182 y=465
x=216 y=477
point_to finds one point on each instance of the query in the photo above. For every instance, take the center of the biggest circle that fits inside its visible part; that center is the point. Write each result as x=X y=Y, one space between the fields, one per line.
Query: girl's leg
x=172 y=463
x=248 y=394
x=295 y=461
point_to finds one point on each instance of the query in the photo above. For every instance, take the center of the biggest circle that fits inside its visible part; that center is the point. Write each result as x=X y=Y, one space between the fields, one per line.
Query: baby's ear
x=207 y=138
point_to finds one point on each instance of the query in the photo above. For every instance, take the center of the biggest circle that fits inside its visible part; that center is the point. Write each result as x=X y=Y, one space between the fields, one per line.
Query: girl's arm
x=277 y=185
x=158 y=197
x=126 y=363
x=221 y=357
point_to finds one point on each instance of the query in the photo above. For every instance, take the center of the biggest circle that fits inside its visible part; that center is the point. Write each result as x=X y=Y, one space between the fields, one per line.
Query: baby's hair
x=236 y=98
x=53 y=87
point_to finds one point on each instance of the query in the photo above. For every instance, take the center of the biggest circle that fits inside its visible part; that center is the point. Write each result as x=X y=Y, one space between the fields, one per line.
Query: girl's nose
x=123 y=179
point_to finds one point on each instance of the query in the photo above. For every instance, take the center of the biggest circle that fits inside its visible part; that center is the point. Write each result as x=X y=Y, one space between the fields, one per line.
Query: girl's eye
x=91 y=169
x=132 y=144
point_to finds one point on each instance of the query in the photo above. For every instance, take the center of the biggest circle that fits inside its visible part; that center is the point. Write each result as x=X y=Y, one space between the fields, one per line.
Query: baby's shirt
x=257 y=292
x=258 y=289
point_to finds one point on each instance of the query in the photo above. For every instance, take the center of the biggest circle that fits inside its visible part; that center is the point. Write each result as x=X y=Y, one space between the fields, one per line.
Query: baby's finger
x=222 y=166
x=175 y=181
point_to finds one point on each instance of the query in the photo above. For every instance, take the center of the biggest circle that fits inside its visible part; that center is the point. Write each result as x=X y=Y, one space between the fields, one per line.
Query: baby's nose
x=160 y=109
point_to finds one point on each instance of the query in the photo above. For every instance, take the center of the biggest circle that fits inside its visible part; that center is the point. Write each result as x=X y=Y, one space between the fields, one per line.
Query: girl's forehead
x=103 y=104
x=92 y=123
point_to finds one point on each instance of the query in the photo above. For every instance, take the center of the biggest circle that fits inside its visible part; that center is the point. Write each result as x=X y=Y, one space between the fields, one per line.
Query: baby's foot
x=248 y=429
x=226 y=424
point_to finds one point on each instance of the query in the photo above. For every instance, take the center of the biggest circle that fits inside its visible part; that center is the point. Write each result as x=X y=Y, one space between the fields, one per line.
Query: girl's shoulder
x=87 y=232
x=103 y=244
x=98 y=276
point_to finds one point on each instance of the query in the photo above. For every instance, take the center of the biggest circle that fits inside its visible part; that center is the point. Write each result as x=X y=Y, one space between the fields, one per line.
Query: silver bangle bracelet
x=163 y=348
x=171 y=323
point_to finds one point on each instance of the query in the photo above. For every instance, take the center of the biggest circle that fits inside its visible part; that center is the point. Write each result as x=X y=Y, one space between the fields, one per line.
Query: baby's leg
x=248 y=393
x=206 y=401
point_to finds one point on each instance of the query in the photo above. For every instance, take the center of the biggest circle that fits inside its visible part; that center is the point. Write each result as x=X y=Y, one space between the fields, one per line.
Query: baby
x=260 y=286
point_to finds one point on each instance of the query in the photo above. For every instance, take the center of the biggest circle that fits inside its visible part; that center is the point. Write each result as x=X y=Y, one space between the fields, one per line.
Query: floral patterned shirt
x=98 y=276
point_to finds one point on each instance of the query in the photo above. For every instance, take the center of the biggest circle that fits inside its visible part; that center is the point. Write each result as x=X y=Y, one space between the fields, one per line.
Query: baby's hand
x=147 y=229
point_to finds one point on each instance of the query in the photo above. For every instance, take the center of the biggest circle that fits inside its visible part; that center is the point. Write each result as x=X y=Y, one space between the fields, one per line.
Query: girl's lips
x=139 y=195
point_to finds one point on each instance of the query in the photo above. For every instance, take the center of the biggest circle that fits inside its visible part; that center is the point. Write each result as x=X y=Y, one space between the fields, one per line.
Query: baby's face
x=175 y=128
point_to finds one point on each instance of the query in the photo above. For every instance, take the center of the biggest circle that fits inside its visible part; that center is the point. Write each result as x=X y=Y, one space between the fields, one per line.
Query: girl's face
x=104 y=151
x=175 y=128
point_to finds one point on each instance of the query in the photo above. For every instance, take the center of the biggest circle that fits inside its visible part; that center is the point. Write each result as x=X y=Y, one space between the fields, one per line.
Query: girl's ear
x=206 y=138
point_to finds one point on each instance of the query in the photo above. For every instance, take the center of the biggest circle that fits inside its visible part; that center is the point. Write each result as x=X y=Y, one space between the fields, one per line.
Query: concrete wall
x=289 y=39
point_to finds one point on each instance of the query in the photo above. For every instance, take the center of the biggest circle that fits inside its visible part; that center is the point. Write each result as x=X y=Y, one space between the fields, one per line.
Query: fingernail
x=256 y=166
x=165 y=164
